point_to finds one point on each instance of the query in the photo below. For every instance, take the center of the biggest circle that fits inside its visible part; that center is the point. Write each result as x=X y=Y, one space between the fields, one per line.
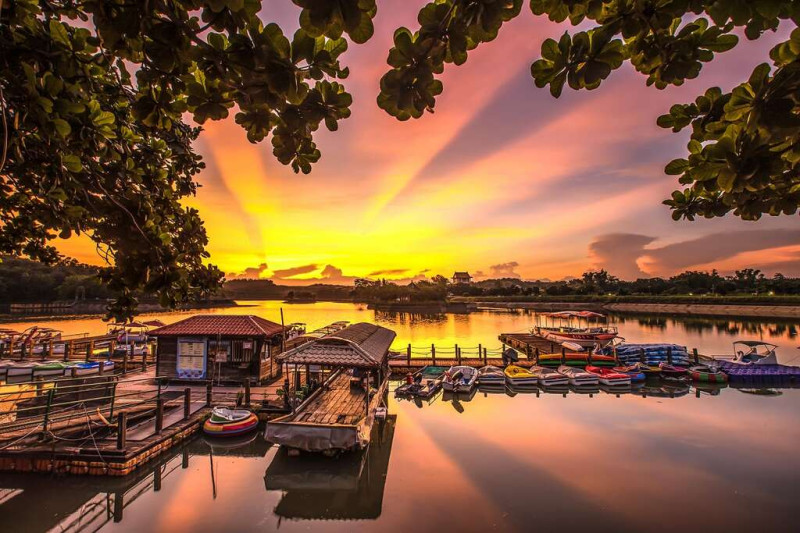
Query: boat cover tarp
x=654 y=354
x=312 y=438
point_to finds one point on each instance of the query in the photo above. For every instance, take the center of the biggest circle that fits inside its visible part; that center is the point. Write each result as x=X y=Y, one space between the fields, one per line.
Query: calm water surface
x=713 y=460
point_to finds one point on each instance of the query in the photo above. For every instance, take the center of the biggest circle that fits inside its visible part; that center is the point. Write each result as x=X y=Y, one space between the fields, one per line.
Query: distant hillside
x=264 y=289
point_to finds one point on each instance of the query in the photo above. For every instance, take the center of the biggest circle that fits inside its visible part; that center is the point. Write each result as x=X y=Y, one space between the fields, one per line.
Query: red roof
x=231 y=325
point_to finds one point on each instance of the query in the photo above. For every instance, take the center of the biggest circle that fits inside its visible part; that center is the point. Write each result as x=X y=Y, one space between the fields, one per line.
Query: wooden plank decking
x=339 y=404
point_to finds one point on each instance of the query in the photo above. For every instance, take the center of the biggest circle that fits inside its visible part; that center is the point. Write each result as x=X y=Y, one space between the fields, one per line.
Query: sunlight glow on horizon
x=502 y=173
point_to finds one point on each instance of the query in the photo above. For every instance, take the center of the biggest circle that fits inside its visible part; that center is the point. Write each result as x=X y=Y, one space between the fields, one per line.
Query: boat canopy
x=361 y=345
x=757 y=347
x=575 y=314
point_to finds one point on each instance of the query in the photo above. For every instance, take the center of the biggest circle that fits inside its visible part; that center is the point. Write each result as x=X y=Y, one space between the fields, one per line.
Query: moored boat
x=707 y=374
x=754 y=353
x=424 y=383
x=549 y=377
x=491 y=375
x=579 y=359
x=578 y=377
x=225 y=422
x=672 y=371
x=632 y=371
x=516 y=376
x=460 y=379
x=50 y=368
x=20 y=368
x=609 y=377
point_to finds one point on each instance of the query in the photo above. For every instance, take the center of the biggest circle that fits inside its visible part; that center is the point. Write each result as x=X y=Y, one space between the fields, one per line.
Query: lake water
x=707 y=459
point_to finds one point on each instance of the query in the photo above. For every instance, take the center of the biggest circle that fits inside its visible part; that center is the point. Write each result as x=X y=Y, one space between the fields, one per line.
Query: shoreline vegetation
x=69 y=288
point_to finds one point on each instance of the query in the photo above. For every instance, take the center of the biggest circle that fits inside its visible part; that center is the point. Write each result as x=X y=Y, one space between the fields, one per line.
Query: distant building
x=462 y=277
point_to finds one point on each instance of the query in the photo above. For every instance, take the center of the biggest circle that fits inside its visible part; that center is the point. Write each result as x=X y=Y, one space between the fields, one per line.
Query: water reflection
x=350 y=487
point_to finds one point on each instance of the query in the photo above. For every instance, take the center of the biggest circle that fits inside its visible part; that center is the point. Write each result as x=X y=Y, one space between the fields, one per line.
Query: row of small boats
x=427 y=381
x=35 y=369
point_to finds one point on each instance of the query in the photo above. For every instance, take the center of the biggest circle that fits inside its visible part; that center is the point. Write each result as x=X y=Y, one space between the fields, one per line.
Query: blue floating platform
x=782 y=372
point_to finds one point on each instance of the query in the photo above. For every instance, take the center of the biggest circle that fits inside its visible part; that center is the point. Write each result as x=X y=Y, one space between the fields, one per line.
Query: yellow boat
x=518 y=376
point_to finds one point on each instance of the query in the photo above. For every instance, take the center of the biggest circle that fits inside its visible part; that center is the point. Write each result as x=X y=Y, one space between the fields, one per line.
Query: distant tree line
x=366 y=290
x=22 y=280
x=747 y=281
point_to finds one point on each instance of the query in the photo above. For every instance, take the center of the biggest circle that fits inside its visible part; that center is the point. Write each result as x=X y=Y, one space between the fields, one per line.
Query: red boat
x=609 y=377
x=672 y=371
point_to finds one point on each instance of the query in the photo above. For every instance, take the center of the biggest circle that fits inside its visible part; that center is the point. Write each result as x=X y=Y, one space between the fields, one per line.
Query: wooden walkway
x=339 y=404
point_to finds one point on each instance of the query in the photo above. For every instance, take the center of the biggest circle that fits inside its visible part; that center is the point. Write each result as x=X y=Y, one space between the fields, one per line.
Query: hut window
x=219 y=351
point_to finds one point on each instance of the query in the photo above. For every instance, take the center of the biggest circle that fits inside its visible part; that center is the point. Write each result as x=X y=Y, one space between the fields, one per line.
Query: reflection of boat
x=762 y=392
x=517 y=376
x=424 y=383
x=610 y=377
x=225 y=422
x=457 y=397
x=349 y=488
x=712 y=389
x=664 y=390
x=578 y=377
x=460 y=379
x=491 y=375
x=548 y=377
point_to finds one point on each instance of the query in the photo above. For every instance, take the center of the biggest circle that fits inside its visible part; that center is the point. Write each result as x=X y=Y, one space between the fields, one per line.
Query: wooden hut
x=338 y=415
x=219 y=347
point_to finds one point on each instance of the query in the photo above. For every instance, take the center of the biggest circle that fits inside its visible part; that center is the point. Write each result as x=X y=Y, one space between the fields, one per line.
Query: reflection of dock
x=348 y=488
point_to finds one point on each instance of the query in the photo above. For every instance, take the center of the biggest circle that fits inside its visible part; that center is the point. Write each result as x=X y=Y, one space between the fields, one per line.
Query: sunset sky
x=503 y=180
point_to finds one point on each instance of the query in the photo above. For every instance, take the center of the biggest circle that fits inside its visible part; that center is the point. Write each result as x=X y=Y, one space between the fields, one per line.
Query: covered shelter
x=219 y=347
x=352 y=365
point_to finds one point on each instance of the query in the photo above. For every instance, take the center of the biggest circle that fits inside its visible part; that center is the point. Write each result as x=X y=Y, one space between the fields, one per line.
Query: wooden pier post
x=50 y=348
x=433 y=354
x=122 y=430
x=89 y=350
x=480 y=351
x=408 y=355
x=696 y=355
x=641 y=355
x=563 y=355
x=458 y=355
x=589 y=356
x=669 y=355
x=247 y=387
x=68 y=350
x=125 y=362
x=536 y=355
x=210 y=390
x=187 y=402
x=119 y=506
x=528 y=352
x=486 y=356
x=144 y=362
x=100 y=367
x=157 y=478
x=159 y=415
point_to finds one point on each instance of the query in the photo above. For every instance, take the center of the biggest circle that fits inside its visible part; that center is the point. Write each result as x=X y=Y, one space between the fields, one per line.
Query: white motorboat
x=549 y=377
x=579 y=377
x=460 y=379
x=754 y=353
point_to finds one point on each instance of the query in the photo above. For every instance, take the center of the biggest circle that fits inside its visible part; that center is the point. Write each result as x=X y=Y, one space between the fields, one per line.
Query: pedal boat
x=225 y=422
x=516 y=376
x=609 y=377
x=578 y=377
x=460 y=379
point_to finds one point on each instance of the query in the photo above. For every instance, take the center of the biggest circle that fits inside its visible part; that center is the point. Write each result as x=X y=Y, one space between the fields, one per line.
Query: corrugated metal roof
x=359 y=345
x=231 y=325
